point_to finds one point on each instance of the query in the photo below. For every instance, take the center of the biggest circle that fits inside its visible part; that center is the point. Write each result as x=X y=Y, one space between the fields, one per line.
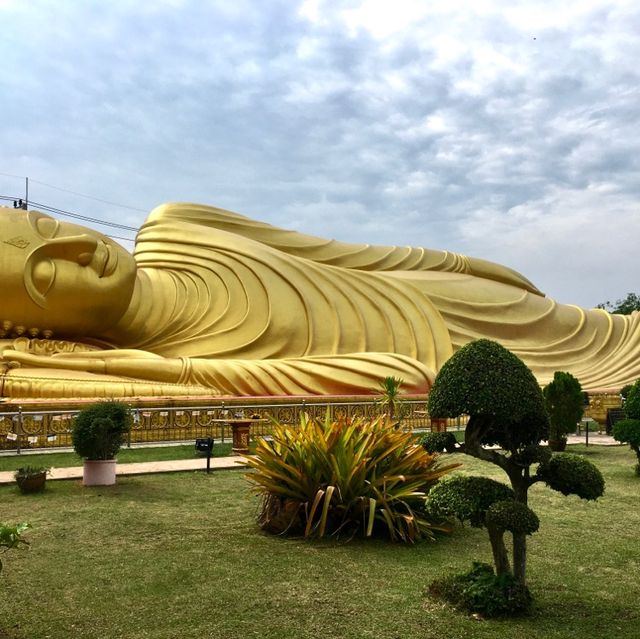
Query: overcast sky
x=501 y=129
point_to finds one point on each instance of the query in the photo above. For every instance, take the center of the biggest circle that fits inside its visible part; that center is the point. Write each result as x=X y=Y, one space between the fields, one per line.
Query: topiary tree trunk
x=520 y=479
x=499 y=550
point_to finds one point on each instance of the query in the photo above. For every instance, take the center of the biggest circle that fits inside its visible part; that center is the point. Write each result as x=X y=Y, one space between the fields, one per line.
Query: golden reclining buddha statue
x=213 y=303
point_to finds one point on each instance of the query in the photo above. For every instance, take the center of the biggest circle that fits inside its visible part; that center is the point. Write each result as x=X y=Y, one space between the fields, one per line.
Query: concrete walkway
x=141 y=468
x=597 y=439
x=225 y=463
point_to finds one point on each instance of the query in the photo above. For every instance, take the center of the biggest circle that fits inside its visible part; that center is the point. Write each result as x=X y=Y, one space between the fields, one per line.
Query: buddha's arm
x=131 y=363
x=338 y=375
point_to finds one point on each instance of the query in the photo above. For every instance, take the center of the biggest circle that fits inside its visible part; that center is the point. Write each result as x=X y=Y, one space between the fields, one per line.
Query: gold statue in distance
x=213 y=303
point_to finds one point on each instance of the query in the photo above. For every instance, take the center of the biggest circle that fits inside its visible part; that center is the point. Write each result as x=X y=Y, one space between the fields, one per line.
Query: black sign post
x=205 y=445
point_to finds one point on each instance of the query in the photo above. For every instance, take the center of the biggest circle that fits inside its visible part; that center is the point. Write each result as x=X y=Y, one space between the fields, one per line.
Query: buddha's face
x=60 y=277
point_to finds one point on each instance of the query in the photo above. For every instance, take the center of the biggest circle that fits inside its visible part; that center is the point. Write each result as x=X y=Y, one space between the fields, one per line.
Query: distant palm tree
x=390 y=402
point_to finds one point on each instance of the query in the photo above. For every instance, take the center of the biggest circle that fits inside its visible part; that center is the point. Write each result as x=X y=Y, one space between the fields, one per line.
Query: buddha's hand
x=123 y=363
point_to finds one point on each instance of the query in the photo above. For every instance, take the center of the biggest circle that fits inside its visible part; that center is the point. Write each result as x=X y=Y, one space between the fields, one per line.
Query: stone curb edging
x=141 y=468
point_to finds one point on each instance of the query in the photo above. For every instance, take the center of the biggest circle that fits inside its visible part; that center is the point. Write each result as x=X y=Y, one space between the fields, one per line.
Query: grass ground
x=179 y=556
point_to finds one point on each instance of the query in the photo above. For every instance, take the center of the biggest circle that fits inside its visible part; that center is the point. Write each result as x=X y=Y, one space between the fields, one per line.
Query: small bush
x=100 y=430
x=513 y=516
x=627 y=431
x=481 y=591
x=632 y=401
x=572 y=475
x=466 y=498
x=11 y=537
x=358 y=477
x=439 y=442
x=565 y=404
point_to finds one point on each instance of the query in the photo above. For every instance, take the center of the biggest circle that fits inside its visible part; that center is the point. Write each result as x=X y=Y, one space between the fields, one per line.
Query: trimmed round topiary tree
x=632 y=401
x=571 y=474
x=497 y=391
x=564 y=402
x=627 y=431
x=505 y=407
x=100 y=430
x=439 y=442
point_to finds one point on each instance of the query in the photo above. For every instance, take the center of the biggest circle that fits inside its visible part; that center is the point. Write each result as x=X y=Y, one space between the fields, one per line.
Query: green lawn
x=64 y=460
x=179 y=556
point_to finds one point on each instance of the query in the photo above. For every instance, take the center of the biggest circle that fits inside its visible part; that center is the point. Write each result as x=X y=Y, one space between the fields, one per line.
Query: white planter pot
x=99 y=472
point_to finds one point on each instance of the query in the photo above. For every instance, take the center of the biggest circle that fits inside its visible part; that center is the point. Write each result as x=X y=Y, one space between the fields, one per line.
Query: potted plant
x=98 y=433
x=564 y=402
x=31 y=479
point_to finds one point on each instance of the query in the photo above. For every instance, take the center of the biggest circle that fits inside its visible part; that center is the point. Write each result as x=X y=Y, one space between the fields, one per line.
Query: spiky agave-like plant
x=351 y=476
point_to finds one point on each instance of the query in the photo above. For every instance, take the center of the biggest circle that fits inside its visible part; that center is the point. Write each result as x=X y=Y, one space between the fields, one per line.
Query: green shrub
x=358 y=477
x=571 y=474
x=482 y=591
x=439 y=442
x=496 y=389
x=11 y=537
x=627 y=431
x=564 y=402
x=100 y=430
x=513 y=516
x=466 y=498
x=632 y=402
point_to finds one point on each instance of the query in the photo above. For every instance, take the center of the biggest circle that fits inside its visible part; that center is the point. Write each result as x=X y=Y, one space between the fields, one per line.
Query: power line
x=77 y=216
x=89 y=197
x=85 y=218
x=20 y=177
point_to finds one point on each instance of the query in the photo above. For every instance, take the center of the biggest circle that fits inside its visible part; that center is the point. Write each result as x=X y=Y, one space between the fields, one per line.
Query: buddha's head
x=60 y=278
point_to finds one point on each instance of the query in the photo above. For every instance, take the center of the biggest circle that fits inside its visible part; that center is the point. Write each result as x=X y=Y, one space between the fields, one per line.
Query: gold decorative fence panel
x=34 y=429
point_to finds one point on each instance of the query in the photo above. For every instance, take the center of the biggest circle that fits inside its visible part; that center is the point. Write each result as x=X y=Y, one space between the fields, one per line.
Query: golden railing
x=32 y=427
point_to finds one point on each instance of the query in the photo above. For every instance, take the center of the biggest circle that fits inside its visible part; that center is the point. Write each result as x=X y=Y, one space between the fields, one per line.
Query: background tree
x=564 y=402
x=624 y=306
x=505 y=406
x=627 y=430
x=390 y=402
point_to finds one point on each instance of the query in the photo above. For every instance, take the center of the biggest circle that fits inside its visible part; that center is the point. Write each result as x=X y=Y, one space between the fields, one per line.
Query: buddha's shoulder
x=200 y=214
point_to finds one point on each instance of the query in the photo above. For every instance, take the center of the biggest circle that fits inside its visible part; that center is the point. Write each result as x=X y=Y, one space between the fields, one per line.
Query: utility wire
x=82 y=217
x=77 y=216
x=89 y=197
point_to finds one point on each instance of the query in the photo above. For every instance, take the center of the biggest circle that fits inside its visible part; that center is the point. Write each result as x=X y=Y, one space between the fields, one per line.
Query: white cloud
x=506 y=130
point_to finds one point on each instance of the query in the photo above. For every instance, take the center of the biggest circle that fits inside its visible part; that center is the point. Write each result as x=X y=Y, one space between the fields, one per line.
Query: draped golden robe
x=238 y=307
